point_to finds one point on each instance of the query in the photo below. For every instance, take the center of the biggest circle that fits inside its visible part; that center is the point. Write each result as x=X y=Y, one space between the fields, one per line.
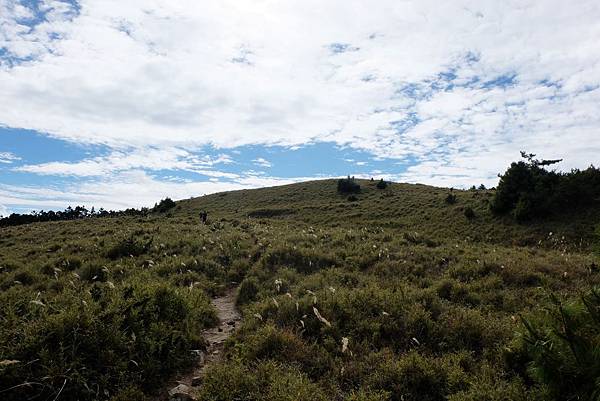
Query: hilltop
x=399 y=207
x=385 y=294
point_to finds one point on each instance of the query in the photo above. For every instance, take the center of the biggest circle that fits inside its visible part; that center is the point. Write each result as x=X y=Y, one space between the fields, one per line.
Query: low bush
x=382 y=184
x=129 y=246
x=248 y=291
x=415 y=377
x=450 y=199
x=238 y=270
x=469 y=213
x=303 y=261
x=491 y=386
x=374 y=318
x=368 y=395
x=25 y=278
x=463 y=328
x=596 y=245
x=93 y=272
x=281 y=345
x=263 y=381
x=233 y=381
x=348 y=186
x=560 y=349
x=418 y=239
x=92 y=346
x=130 y=394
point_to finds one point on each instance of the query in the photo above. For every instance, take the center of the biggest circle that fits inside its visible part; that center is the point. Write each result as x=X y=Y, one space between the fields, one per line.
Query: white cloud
x=166 y=75
x=128 y=189
x=262 y=162
x=3 y=211
x=8 y=157
x=138 y=158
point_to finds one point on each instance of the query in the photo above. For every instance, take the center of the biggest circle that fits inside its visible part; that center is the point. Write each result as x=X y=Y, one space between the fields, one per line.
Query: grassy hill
x=400 y=208
x=395 y=295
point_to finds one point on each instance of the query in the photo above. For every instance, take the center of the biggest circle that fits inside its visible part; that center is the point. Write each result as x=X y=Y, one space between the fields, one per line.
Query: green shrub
x=289 y=385
x=93 y=272
x=271 y=343
x=457 y=292
x=530 y=191
x=368 y=395
x=495 y=389
x=418 y=239
x=231 y=381
x=469 y=213
x=248 y=291
x=95 y=346
x=69 y=263
x=560 y=349
x=262 y=381
x=382 y=184
x=525 y=209
x=596 y=245
x=164 y=205
x=348 y=186
x=450 y=199
x=460 y=328
x=303 y=261
x=373 y=317
x=127 y=247
x=25 y=277
x=414 y=377
x=130 y=394
x=238 y=270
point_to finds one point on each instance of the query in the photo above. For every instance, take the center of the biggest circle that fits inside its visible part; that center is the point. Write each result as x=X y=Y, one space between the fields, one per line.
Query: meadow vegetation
x=396 y=295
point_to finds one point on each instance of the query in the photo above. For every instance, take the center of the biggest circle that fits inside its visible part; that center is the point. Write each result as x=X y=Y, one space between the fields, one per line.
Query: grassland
x=396 y=295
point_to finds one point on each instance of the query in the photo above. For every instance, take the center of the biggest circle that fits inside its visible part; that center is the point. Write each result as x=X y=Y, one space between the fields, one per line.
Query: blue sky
x=118 y=104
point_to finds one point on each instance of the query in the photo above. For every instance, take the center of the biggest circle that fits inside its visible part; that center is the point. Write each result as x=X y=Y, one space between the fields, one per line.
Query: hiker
x=203 y=216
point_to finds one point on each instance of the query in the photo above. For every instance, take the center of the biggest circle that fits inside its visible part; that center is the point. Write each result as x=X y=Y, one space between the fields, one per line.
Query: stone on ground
x=181 y=393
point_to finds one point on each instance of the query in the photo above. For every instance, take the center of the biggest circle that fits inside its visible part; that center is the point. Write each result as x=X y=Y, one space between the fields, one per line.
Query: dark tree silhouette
x=81 y=212
x=528 y=190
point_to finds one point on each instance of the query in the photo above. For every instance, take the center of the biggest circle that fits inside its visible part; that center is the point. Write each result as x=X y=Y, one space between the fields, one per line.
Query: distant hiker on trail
x=204 y=216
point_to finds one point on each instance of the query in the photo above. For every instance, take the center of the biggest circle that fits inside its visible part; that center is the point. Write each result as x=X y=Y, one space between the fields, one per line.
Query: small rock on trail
x=180 y=393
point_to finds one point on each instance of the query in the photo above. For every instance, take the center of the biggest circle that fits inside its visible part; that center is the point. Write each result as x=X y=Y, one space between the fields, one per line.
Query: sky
x=119 y=104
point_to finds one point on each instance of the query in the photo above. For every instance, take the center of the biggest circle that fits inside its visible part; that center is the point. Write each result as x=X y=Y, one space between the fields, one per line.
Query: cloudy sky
x=118 y=103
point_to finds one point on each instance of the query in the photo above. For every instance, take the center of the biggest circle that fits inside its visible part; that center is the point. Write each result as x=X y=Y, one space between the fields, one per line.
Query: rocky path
x=229 y=318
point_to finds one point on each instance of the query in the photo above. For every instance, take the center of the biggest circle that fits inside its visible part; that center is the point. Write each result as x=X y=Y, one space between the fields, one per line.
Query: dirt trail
x=229 y=319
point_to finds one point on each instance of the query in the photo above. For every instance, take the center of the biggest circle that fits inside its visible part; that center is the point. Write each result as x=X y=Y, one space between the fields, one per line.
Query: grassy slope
x=137 y=289
x=400 y=207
